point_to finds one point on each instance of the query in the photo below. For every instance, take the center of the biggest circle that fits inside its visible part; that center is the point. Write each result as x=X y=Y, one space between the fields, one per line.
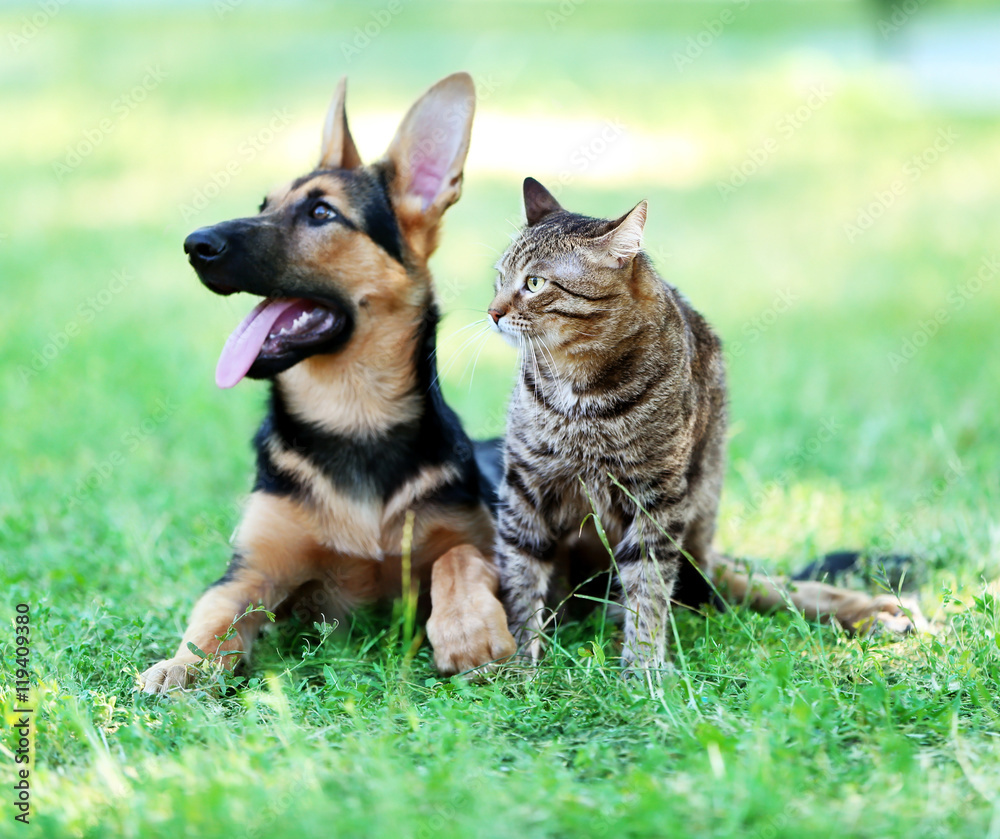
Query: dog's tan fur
x=326 y=550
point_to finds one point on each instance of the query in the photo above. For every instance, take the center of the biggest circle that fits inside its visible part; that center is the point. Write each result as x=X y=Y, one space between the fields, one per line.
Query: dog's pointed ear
x=622 y=243
x=538 y=202
x=338 y=150
x=426 y=157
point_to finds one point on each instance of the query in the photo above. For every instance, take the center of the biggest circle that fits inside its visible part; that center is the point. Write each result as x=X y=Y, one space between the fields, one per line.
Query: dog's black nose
x=204 y=246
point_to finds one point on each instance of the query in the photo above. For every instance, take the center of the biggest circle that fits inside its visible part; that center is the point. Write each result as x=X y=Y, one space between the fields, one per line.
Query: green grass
x=123 y=464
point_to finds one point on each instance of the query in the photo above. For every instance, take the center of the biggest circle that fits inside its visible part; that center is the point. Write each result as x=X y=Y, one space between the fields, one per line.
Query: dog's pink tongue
x=243 y=346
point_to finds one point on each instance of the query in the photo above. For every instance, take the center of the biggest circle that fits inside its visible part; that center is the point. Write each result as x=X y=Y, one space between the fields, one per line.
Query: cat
x=620 y=410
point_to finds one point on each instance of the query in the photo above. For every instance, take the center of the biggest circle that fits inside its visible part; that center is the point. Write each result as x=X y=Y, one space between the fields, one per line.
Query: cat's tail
x=858 y=612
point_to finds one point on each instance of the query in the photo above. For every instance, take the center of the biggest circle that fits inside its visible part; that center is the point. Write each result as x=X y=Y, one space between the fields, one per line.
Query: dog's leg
x=467 y=626
x=856 y=611
x=275 y=554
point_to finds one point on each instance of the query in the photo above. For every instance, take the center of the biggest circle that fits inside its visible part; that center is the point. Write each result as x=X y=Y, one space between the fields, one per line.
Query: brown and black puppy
x=357 y=433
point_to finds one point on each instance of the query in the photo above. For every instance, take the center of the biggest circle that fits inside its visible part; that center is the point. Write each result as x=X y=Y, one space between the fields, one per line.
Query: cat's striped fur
x=622 y=386
x=620 y=409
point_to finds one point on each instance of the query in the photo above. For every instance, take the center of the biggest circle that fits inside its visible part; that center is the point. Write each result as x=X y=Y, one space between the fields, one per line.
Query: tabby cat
x=620 y=409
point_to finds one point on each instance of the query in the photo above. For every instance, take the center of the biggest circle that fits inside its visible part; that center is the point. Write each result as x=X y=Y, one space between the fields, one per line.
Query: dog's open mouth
x=275 y=328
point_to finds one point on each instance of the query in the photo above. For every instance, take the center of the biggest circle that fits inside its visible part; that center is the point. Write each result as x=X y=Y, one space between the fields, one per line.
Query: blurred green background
x=823 y=185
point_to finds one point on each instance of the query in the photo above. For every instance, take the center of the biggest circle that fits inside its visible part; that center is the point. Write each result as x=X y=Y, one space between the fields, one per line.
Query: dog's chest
x=355 y=525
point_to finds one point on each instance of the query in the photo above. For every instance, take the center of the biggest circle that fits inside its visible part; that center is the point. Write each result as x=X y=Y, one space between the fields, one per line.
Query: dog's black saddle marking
x=364 y=467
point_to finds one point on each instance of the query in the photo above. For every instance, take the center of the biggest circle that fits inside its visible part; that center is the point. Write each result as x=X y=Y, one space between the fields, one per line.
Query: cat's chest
x=583 y=461
x=585 y=492
x=578 y=410
x=584 y=422
x=582 y=475
x=584 y=443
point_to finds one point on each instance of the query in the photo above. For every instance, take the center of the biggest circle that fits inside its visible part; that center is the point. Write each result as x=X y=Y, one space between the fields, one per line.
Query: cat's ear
x=619 y=247
x=337 y=151
x=538 y=202
x=426 y=158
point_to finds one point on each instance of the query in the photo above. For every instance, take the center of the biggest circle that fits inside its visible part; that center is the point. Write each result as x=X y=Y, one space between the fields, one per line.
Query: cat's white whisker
x=468 y=355
x=580 y=331
x=538 y=377
x=456 y=354
x=475 y=361
x=524 y=344
x=553 y=369
x=488 y=247
x=452 y=336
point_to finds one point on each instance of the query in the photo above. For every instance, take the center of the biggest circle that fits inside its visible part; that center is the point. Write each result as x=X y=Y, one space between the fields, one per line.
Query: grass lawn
x=836 y=225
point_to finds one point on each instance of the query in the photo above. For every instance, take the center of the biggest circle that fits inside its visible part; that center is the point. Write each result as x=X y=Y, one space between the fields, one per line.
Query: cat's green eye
x=534 y=284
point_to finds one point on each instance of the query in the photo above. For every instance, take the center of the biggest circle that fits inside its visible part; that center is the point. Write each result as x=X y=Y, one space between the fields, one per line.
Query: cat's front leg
x=524 y=557
x=647 y=573
x=526 y=587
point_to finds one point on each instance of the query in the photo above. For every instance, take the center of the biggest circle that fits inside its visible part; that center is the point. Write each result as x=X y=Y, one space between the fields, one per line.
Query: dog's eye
x=322 y=211
x=534 y=284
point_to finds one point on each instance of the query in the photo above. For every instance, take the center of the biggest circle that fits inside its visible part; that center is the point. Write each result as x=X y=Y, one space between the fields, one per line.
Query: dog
x=358 y=448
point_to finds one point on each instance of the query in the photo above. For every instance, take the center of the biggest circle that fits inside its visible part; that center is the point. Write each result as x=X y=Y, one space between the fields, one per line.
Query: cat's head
x=566 y=280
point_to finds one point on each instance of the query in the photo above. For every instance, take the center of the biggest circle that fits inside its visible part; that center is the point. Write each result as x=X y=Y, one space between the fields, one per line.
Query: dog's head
x=337 y=249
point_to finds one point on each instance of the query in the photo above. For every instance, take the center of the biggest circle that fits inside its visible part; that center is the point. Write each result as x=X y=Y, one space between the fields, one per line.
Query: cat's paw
x=168 y=676
x=534 y=648
x=471 y=635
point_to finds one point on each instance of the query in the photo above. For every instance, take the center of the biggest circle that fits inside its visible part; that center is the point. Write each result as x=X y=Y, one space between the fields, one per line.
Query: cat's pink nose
x=496 y=315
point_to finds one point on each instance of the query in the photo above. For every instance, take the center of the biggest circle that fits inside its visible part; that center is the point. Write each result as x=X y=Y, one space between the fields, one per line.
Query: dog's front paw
x=168 y=676
x=471 y=635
